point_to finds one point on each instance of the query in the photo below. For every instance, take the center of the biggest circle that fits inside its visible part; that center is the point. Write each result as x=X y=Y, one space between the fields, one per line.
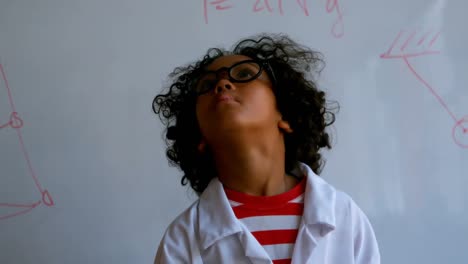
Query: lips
x=224 y=98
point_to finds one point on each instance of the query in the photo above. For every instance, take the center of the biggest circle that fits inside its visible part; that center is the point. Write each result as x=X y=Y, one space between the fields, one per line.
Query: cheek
x=200 y=110
x=264 y=99
x=266 y=106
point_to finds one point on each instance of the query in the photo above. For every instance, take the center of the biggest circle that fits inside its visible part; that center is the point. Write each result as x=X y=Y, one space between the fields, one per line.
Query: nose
x=223 y=84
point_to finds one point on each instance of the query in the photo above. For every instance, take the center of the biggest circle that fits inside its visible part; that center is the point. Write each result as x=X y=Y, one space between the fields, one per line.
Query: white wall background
x=82 y=76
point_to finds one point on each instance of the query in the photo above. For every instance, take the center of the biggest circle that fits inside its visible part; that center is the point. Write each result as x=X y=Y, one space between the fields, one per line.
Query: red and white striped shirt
x=273 y=220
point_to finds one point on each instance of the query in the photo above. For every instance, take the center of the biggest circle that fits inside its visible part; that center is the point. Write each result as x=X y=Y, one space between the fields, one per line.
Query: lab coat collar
x=217 y=219
x=319 y=201
x=318 y=218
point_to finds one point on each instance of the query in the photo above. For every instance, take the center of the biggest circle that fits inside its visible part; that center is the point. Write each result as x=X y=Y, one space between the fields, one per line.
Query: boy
x=246 y=127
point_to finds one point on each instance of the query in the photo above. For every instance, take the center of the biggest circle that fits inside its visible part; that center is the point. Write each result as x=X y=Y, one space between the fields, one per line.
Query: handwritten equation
x=332 y=7
x=423 y=45
x=15 y=122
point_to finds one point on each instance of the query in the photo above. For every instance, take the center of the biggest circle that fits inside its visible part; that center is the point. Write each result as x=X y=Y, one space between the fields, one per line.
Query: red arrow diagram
x=16 y=123
x=423 y=46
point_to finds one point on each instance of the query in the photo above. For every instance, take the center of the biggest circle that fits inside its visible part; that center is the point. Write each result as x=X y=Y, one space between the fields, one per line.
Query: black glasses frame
x=263 y=65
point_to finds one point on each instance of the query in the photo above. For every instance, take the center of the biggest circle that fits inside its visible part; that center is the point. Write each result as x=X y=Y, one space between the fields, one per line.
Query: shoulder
x=184 y=220
x=337 y=205
x=351 y=217
x=175 y=244
x=346 y=207
x=349 y=212
x=349 y=223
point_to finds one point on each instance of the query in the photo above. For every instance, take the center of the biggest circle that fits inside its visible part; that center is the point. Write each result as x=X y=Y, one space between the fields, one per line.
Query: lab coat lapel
x=216 y=220
x=253 y=250
x=304 y=246
x=318 y=218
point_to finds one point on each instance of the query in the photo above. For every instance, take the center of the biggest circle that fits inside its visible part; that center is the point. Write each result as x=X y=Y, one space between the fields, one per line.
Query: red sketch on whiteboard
x=218 y=4
x=337 y=29
x=261 y=4
x=303 y=5
x=15 y=122
x=460 y=132
x=331 y=7
x=423 y=45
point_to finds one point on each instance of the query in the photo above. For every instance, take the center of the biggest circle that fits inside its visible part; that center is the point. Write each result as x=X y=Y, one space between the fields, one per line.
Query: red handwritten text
x=219 y=5
x=331 y=7
x=338 y=26
x=257 y=7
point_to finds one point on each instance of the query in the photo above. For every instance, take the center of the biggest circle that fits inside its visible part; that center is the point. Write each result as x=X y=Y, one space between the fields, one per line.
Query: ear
x=284 y=126
x=202 y=146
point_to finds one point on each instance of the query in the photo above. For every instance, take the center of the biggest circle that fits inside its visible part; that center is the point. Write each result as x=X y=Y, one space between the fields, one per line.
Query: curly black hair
x=299 y=101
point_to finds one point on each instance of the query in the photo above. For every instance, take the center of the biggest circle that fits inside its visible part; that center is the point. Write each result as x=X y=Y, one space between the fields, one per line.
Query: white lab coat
x=333 y=230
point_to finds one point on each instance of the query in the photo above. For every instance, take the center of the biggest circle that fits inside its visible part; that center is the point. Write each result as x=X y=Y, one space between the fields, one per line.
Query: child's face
x=231 y=107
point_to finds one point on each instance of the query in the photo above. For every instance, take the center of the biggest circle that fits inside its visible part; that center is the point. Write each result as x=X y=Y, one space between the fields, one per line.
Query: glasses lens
x=245 y=71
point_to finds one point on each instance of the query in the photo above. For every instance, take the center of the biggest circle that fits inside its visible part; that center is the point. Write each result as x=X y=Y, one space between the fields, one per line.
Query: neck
x=253 y=165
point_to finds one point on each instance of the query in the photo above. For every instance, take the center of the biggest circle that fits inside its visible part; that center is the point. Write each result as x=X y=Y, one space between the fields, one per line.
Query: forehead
x=226 y=61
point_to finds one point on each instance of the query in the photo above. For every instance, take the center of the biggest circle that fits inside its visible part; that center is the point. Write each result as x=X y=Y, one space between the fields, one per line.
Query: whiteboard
x=83 y=173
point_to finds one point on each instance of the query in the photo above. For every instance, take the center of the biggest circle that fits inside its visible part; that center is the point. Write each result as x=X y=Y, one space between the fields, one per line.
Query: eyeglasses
x=240 y=72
